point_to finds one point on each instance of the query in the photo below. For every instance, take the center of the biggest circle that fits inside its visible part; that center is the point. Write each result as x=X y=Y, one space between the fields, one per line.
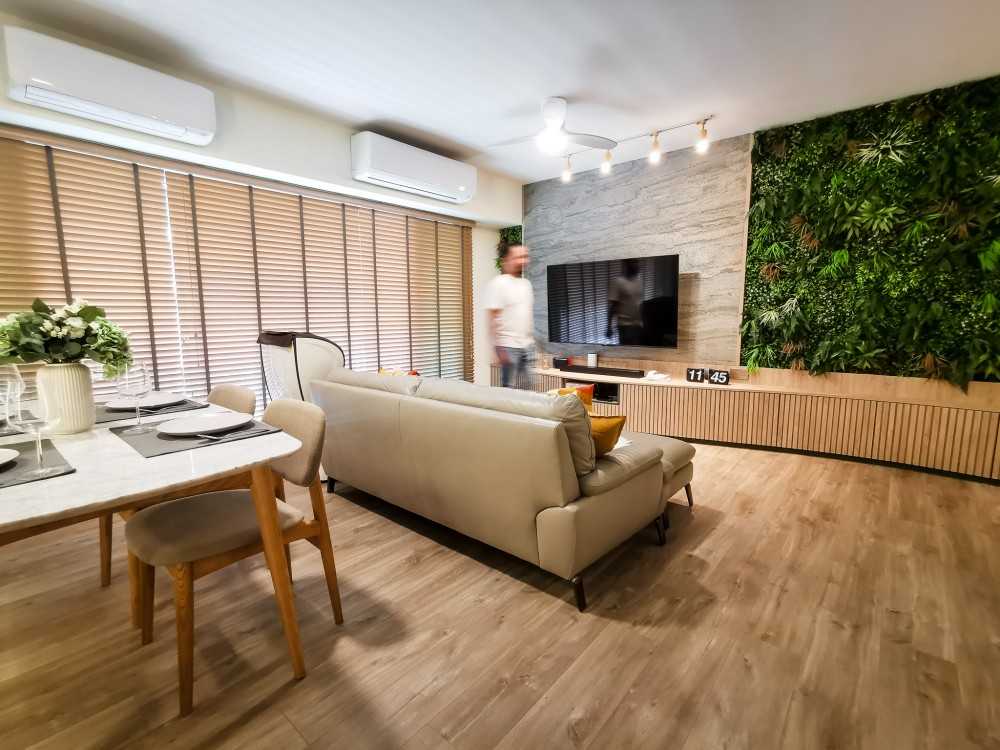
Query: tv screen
x=630 y=302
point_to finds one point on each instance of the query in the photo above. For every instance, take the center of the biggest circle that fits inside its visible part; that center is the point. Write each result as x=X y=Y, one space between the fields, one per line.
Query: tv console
x=621 y=372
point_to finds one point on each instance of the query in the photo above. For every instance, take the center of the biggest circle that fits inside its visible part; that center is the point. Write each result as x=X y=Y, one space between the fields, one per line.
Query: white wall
x=265 y=137
x=484 y=253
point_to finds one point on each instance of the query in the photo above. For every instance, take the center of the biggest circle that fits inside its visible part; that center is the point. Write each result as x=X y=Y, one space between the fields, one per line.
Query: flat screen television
x=629 y=302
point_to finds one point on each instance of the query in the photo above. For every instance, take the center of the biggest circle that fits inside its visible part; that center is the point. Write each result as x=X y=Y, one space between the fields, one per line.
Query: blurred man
x=509 y=303
x=625 y=309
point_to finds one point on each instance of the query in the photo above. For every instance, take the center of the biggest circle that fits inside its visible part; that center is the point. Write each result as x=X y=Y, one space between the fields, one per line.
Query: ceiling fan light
x=567 y=173
x=551 y=141
x=606 y=164
x=701 y=145
x=654 y=152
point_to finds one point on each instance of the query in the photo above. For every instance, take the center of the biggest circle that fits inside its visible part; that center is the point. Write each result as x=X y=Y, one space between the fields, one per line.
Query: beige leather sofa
x=513 y=469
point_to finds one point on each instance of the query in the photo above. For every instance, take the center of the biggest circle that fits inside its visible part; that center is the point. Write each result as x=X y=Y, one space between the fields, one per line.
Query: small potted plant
x=60 y=337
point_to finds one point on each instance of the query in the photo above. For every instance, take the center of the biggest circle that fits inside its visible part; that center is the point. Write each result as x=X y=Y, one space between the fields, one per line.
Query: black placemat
x=14 y=472
x=104 y=414
x=151 y=444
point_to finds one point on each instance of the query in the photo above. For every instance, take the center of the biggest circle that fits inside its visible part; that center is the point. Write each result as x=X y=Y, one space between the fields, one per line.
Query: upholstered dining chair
x=228 y=396
x=194 y=536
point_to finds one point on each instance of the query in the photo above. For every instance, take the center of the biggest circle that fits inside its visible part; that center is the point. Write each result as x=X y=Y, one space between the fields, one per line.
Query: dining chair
x=194 y=536
x=234 y=397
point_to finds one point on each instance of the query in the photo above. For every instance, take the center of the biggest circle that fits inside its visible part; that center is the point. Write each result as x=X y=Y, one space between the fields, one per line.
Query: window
x=195 y=264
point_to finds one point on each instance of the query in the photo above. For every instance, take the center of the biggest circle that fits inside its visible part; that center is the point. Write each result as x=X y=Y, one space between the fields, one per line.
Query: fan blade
x=591 y=141
x=512 y=141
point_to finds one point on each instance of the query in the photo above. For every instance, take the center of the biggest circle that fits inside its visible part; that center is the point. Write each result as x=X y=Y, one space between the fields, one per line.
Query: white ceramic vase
x=67 y=396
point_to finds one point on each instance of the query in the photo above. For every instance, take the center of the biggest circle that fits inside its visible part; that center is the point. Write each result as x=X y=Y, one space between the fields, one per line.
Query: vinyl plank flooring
x=805 y=602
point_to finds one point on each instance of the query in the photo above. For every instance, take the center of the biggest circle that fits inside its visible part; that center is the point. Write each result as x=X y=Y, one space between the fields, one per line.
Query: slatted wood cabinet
x=859 y=416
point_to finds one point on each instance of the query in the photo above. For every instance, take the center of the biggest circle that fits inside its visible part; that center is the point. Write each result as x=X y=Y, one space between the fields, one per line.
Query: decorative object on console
x=60 y=337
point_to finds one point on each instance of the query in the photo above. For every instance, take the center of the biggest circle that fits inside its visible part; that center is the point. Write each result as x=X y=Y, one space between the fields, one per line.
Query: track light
x=701 y=145
x=567 y=173
x=654 y=151
x=606 y=164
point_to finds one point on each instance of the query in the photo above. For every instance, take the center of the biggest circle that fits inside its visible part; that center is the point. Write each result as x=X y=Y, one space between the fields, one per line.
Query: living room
x=632 y=372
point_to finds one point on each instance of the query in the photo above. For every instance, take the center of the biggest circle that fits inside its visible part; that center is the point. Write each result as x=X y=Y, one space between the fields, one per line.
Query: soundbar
x=620 y=372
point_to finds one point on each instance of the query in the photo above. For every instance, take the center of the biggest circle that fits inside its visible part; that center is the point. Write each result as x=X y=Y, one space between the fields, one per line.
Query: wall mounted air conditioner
x=64 y=77
x=382 y=161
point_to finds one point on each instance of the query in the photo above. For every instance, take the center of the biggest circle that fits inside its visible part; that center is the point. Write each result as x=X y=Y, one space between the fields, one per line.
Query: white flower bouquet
x=58 y=335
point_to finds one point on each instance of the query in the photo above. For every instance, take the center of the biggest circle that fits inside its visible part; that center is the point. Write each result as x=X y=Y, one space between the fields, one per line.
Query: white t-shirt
x=513 y=297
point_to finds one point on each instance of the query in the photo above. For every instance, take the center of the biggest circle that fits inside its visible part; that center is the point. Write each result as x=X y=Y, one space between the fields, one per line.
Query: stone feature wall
x=689 y=205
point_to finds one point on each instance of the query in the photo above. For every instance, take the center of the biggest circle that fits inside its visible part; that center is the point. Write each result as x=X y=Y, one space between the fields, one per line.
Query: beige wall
x=264 y=137
x=484 y=251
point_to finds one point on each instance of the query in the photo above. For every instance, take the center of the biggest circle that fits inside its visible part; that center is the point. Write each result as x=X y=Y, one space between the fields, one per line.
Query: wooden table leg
x=105 y=534
x=262 y=489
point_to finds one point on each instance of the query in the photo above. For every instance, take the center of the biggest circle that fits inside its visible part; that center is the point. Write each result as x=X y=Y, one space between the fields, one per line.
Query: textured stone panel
x=690 y=205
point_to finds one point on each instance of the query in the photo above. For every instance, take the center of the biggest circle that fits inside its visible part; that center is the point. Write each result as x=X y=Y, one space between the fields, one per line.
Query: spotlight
x=701 y=145
x=551 y=141
x=654 y=151
x=567 y=173
x=606 y=164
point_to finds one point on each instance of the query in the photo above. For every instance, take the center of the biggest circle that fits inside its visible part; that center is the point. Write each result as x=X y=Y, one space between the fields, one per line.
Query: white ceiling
x=458 y=75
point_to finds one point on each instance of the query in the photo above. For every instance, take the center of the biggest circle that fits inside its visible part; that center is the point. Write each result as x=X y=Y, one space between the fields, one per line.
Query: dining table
x=111 y=477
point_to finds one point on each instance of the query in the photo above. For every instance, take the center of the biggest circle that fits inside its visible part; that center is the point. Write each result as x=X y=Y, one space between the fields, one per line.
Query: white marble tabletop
x=110 y=473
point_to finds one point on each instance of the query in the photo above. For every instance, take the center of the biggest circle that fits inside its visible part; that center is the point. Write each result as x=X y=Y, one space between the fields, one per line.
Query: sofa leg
x=661 y=531
x=666 y=517
x=687 y=489
x=581 y=596
x=331 y=484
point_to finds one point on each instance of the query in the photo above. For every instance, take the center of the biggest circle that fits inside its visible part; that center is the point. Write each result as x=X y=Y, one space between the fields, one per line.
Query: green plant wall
x=510 y=236
x=874 y=240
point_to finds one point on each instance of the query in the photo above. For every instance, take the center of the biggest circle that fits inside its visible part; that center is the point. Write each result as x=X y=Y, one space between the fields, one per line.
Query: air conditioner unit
x=383 y=161
x=64 y=77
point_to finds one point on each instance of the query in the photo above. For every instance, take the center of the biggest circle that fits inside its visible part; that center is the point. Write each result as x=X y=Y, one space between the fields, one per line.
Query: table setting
x=65 y=459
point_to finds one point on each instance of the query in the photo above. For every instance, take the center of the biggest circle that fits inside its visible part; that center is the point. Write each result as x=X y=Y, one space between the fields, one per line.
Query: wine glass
x=135 y=383
x=11 y=385
x=32 y=424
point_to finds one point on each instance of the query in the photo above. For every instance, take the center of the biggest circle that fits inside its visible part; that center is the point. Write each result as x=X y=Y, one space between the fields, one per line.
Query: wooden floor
x=806 y=603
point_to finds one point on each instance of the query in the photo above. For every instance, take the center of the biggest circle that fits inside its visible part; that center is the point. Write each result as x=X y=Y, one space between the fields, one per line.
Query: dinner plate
x=153 y=400
x=7 y=455
x=208 y=424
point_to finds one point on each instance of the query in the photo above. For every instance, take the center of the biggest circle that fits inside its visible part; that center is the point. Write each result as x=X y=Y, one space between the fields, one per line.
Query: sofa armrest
x=618 y=466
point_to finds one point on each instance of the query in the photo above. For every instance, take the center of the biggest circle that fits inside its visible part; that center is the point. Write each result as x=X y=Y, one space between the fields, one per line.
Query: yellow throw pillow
x=585 y=392
x=606 y=431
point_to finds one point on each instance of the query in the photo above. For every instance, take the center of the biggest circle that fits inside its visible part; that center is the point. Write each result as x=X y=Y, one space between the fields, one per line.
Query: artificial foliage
x=874 y=240
x=64 y=334
x=510 y=236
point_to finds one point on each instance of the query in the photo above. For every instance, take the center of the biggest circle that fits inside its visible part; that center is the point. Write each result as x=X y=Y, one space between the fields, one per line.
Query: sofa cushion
x=404 y=385
x=676 y=453
x=606 y=431
x=566 y=409
x=618 y=466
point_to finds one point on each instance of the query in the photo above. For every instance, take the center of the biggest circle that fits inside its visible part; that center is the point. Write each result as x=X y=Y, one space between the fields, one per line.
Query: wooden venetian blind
x=392 y=291
x=422 y=248
x=326 y=271
x=194 y=266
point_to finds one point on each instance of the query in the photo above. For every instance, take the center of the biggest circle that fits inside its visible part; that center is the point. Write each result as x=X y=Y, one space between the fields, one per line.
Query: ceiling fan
x=553 y=139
